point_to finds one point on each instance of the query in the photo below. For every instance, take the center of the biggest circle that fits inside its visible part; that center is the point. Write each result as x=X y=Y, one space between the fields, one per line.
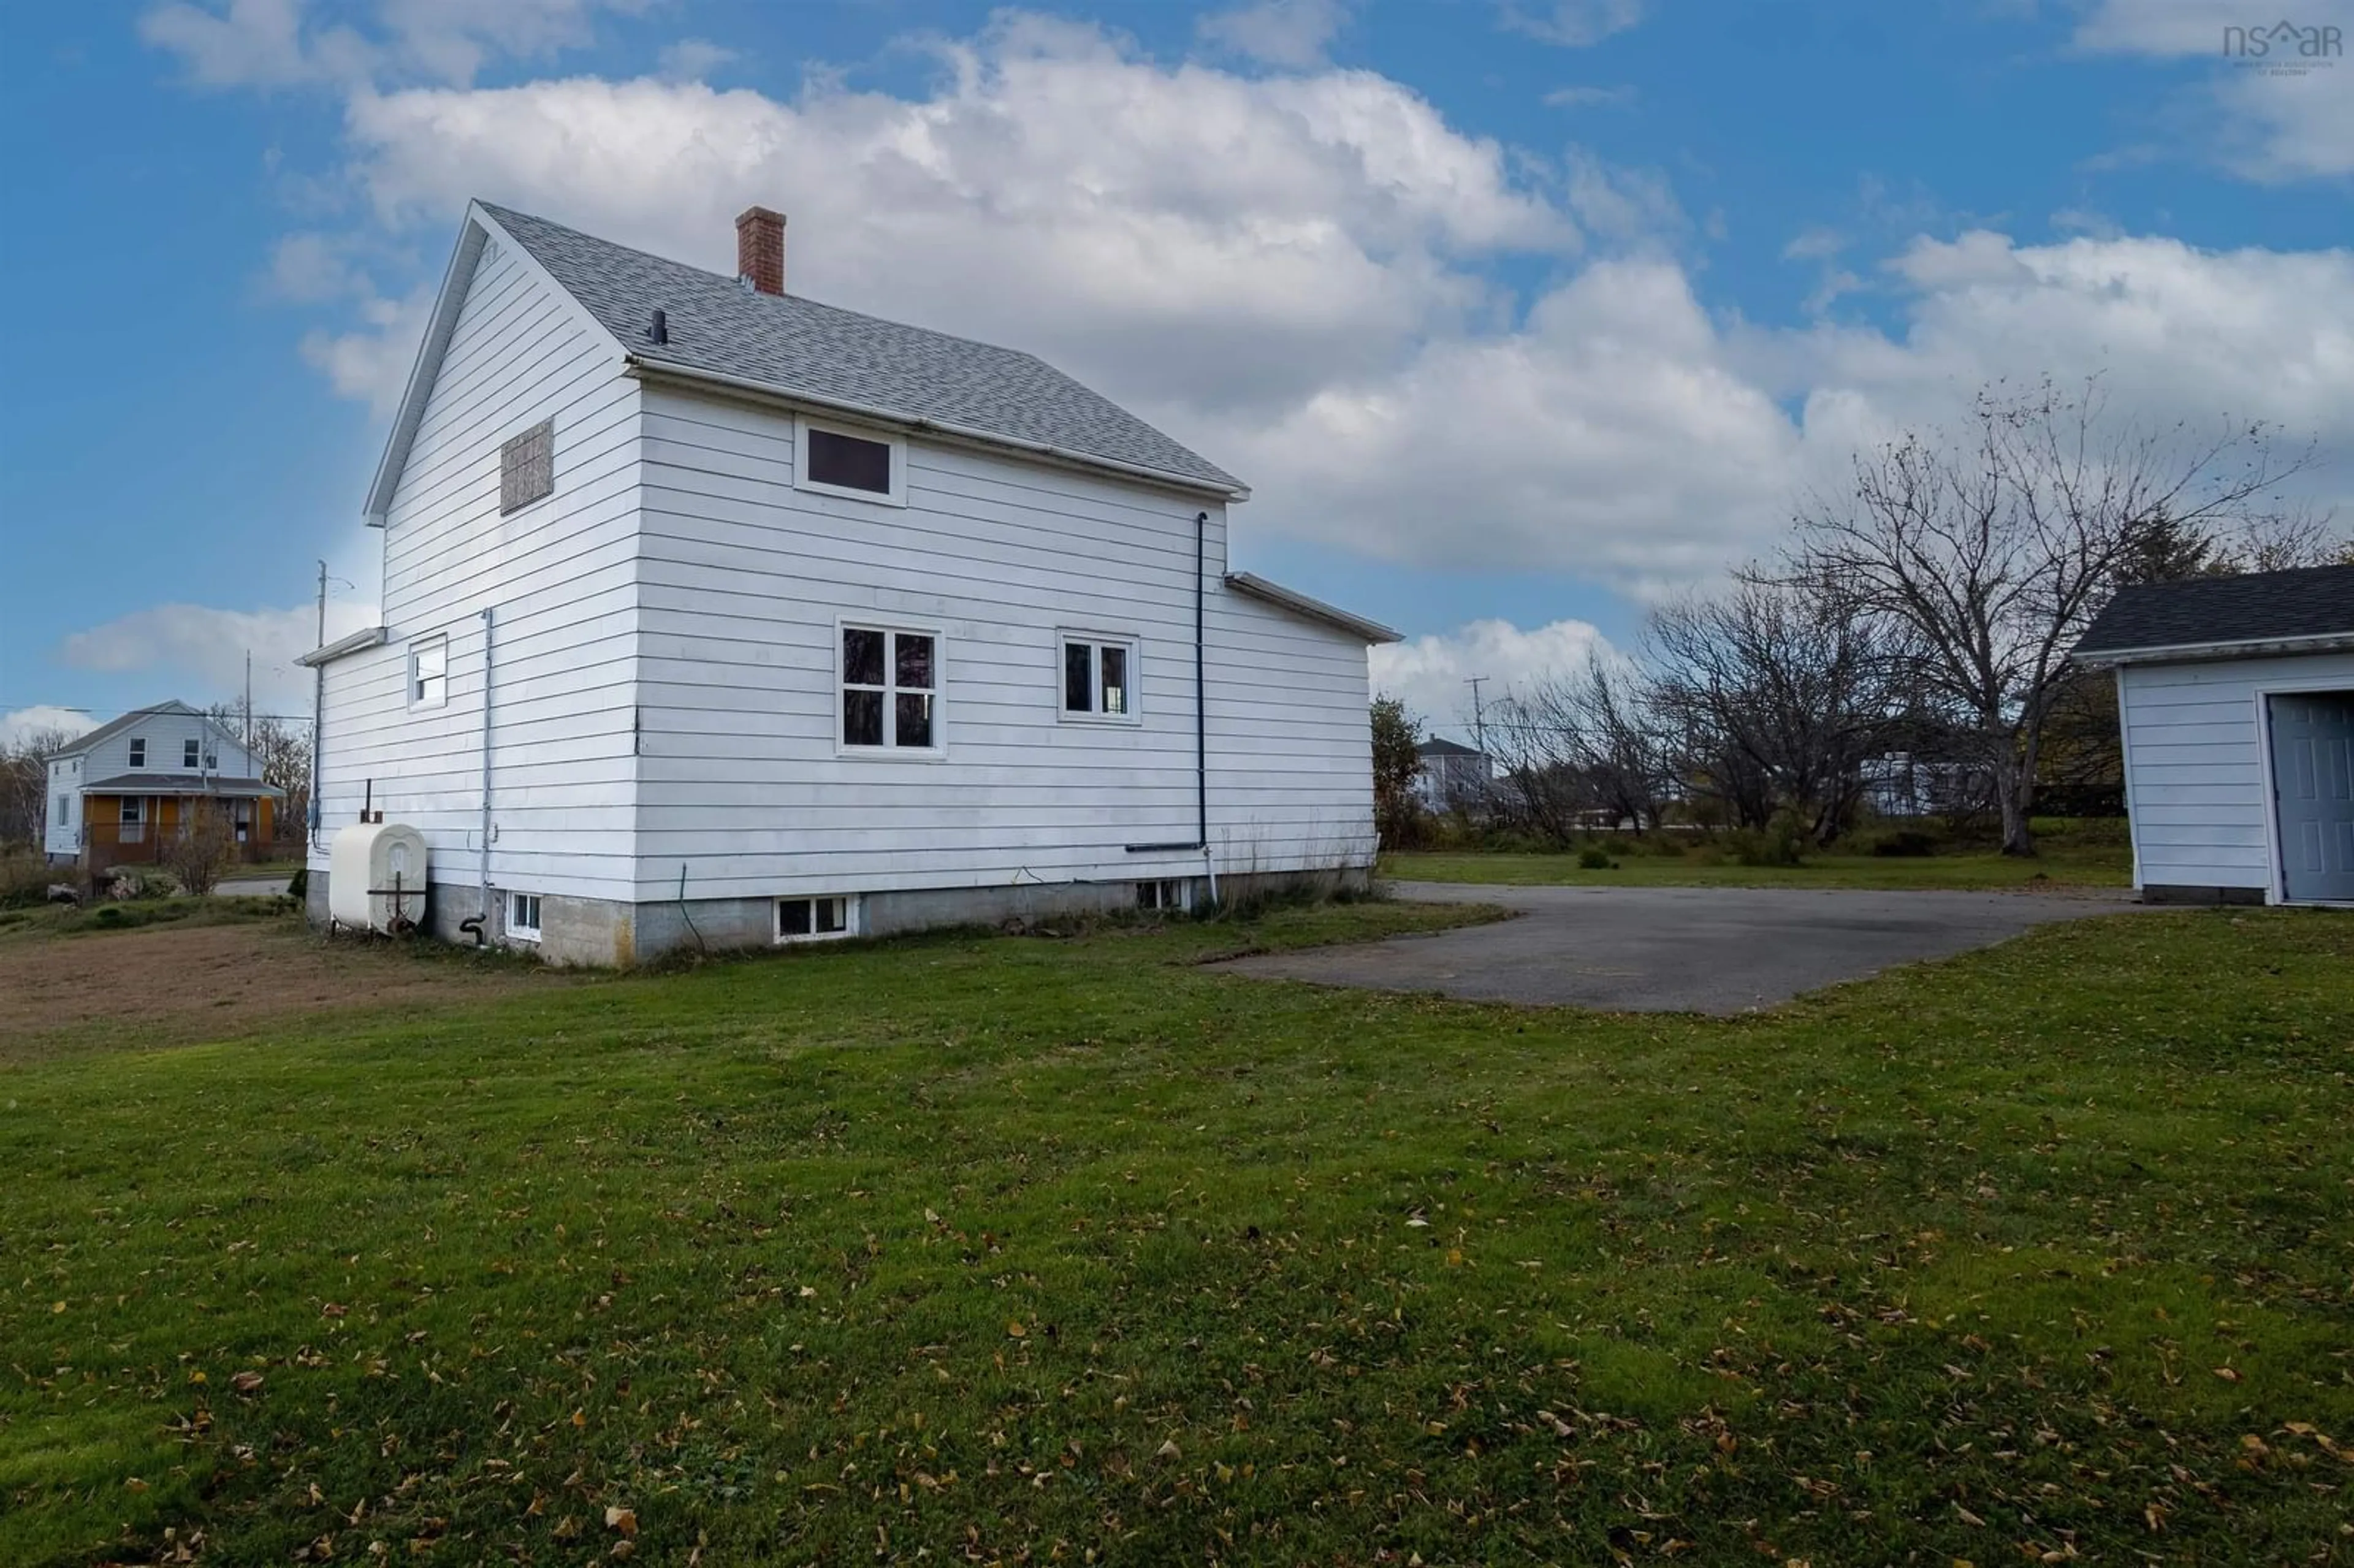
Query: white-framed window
x=523 y=917
x=131 y=805
x=240 y=816
x=1099 y=677
x=826 y=919
x=138 y=752
x=890 y=678
x=191 y=750
x=65 y=811
x=1172 y=893
x=841 y=459
x=428 y=671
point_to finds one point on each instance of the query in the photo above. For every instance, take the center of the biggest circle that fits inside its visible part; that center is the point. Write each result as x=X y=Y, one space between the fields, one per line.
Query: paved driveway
x=1672 y=949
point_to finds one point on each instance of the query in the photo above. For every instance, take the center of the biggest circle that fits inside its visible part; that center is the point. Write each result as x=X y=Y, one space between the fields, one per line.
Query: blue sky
x=1516 y=315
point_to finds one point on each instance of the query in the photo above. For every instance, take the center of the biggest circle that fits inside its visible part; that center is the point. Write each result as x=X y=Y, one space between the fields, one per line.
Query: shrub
x=1905 y=843
x=1780 y=843
x=202 y=849
x=26 y=876
x=1594 y=857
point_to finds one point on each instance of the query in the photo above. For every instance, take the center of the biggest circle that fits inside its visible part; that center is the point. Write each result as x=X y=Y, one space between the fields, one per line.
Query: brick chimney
x=760 y=249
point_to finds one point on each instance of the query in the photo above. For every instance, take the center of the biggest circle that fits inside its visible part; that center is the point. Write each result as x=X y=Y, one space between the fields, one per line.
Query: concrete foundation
x=2163 y=893
x=606 y=933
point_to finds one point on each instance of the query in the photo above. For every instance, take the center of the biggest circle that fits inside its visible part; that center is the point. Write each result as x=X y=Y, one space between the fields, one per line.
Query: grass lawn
x=996 y=1249
x=2096 y=861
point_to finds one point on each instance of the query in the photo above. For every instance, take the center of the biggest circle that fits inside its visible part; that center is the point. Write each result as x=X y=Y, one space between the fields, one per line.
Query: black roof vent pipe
x=660 y=330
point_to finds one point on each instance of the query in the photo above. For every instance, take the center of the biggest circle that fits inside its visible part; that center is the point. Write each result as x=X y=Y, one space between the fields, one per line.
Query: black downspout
x=1200 y=840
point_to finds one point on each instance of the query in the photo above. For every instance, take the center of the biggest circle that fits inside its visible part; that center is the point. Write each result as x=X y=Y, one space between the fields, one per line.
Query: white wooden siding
x=560 y=577
x=744 y=580
x=2195 y=774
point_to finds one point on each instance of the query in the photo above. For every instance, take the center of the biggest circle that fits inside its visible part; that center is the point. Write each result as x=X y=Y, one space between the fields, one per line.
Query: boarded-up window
x=527 y=467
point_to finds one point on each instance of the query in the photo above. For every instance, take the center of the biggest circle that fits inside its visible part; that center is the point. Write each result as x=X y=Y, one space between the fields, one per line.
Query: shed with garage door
x=2235 y=696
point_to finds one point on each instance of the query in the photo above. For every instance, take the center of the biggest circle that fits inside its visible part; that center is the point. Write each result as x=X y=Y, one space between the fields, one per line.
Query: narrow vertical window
x=429 y=673
x=138 y=752
x=189 y=751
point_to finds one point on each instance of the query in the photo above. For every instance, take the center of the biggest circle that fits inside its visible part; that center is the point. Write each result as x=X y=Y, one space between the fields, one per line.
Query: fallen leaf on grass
x=621 y=1519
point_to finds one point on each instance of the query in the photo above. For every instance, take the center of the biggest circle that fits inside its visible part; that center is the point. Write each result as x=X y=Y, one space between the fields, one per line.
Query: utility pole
x=248 y=704
x=1479 y=715
x=318 y=701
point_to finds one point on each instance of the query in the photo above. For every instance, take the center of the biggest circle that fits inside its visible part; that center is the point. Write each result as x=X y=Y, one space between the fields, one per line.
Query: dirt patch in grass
x=178 y=985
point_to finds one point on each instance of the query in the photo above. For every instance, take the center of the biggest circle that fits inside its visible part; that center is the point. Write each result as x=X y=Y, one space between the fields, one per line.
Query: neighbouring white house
x=119 y=794
x=2235 y=696
x=713 y=615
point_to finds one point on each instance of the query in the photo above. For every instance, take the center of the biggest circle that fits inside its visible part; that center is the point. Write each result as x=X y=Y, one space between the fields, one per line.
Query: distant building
x=121 y=793
x=1452 y=777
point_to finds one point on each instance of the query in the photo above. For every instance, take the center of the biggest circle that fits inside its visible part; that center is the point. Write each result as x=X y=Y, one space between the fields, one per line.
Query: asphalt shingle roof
x=800 y=347
x=2259 y=607
x=140 y=782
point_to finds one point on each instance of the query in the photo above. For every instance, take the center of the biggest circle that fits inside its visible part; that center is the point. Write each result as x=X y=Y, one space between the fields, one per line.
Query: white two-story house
x=713 y=615
x=118 y=795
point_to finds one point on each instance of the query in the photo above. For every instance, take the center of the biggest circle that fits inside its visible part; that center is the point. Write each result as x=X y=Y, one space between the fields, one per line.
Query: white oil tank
x=365 y=864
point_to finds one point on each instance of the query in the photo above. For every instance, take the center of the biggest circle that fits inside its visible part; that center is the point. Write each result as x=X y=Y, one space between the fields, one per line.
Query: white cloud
x=2279 y=107
x=1292 y=273
x=1590 y=97
x=42 y=719
x=693 y=59
x=1575 y=24
x=199 y=652
x=276 y=43
x=374 y=361
x=1291 y=33
x=1432 y=673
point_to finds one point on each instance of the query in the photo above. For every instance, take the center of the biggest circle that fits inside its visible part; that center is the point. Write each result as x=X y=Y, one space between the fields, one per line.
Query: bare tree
x=25 y=784
x=1778 y=698
x=202 y=849
x=1987 y=554
x=1582 y=744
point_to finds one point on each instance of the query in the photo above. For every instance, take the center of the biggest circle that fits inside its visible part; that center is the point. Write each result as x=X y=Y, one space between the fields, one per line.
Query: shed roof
x=798 y=347
x=2200 y=616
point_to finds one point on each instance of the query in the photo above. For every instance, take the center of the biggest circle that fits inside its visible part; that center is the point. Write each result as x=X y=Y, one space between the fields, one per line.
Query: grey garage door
x=2313 y=788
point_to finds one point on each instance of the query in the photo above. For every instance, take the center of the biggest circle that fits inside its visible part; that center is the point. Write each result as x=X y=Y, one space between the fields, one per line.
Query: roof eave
x=367 y=637
x=1258 y=588
x=2198 y=652
x=649 y=368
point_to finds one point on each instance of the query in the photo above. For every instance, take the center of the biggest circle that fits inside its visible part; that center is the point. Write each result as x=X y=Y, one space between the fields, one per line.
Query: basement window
x=824 y=919
x=1099 y=678
x=523 y=917
x=862 y=465
x=527 y=468
x=1171 y=893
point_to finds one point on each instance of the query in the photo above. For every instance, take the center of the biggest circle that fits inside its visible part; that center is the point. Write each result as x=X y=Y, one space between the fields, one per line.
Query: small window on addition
x=844 y=462
x=523 y=917
x=429 y=673
x=1172 y=893
x=815 y=919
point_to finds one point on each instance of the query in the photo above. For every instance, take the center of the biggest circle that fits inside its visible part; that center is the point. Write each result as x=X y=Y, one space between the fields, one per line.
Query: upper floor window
x=429 y=673
x=190 y=752
x=865 y=465
x=138 y=752
x=1099 y=678
x=890 y=689
x=527 y=467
